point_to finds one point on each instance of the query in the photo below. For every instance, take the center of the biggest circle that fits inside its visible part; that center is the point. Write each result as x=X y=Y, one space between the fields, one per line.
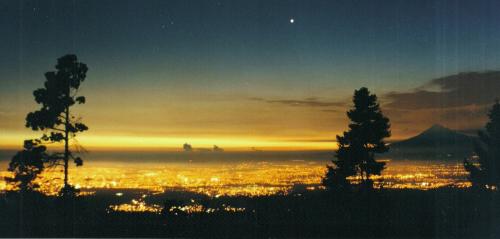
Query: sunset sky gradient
x=240 y=74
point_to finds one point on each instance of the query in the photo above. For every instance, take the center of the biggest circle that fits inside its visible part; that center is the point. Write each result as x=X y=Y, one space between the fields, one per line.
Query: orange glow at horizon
x=152 y=142
x=103 y=142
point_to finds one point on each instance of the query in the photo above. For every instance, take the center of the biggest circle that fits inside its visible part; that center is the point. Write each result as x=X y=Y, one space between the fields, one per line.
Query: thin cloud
x=332 y=111
x=313 y=140
x=307 y=102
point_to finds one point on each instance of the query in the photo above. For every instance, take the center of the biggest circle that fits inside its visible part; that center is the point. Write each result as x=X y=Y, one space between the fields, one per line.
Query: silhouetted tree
x=487 y=148
x=26 y=165
x=357 y=147
x=59 y=94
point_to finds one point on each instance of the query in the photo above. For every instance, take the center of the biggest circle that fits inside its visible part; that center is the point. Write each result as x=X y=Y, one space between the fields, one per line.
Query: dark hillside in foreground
x=447 y=212
x=437 y=142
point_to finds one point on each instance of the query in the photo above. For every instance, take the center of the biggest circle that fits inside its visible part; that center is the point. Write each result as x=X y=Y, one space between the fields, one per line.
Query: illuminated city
x=243 y=178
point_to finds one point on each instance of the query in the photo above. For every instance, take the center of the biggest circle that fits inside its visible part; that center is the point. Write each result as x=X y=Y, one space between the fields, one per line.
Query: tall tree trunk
x=66 y=148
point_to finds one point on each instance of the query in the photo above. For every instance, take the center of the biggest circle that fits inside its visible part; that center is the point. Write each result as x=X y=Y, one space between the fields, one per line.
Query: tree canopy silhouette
x=59 y=94
x=487 y=173
x=357 y=147
x=27 y=165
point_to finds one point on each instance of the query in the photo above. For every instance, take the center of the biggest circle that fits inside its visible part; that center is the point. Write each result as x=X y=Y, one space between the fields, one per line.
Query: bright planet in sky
x=292 y=20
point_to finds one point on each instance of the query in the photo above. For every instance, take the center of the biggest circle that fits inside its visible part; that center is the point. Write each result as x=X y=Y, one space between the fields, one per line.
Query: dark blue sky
x=354 y=41
x=194 y=52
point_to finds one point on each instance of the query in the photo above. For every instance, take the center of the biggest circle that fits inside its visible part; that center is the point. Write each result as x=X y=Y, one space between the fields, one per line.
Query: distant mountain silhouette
x=437 y=142
x=436 y=136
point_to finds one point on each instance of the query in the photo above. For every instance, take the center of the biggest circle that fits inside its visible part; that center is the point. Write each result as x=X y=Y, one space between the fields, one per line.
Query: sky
x=251 y=74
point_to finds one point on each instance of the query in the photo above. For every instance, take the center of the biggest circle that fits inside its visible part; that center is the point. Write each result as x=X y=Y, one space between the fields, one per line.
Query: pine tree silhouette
x=487 y=173
x=59 y=95
x=357 y=147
